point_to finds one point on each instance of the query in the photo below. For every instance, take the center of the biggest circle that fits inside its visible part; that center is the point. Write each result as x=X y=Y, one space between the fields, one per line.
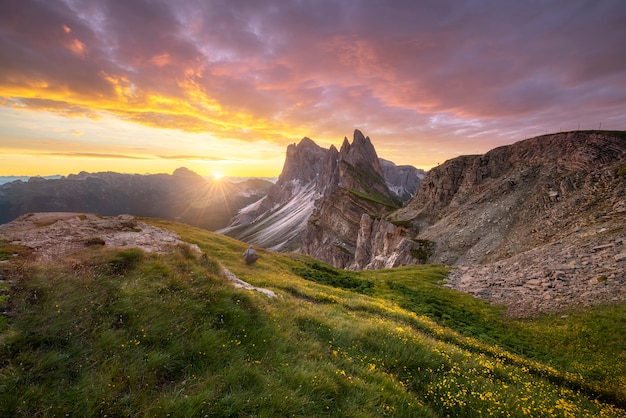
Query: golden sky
x=224 y=86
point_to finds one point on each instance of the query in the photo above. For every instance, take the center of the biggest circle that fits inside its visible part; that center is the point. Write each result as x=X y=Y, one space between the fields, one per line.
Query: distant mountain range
x=11 y=179
x=183 y=196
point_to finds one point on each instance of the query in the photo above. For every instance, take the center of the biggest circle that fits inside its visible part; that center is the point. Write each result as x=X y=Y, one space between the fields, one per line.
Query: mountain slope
x=277 y=221
x=122 y=332
x=402 y=180
x=540 y=221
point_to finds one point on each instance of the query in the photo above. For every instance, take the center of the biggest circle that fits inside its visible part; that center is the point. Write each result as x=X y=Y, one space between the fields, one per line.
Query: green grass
x=375 y=198
x=123 y=333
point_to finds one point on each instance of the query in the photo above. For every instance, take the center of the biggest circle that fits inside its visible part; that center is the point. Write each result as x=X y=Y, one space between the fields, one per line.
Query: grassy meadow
x=124 y=333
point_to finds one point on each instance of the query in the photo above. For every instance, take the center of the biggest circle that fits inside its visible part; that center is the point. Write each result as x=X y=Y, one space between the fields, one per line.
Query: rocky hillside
x=183 y=196
x=301 y=211
x=361 y=188
x=541 y=220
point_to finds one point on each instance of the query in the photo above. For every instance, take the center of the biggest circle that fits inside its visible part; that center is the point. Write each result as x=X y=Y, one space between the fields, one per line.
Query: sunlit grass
x=125 y=333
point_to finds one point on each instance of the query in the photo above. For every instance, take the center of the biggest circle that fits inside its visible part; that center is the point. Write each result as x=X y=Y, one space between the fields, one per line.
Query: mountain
x=312 y=182
x=277 y=221
x=11 y=179
x=538 y=221
x=331 y=231
x=184 y=196
x=402 y=180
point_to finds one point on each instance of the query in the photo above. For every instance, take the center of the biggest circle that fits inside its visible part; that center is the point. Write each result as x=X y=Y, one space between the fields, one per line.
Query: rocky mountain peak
x=361 y=153
x=312 y=181
x=184 y=172
x=303 y=162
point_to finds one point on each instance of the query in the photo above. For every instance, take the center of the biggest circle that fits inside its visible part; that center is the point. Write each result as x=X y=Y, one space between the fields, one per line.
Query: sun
x=217 y=176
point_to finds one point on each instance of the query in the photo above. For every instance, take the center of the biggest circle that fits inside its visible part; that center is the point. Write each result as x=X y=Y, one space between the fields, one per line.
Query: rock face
x=183 y=196
x=402 y=180
x=277 y=221
x=515 y=198
x=584 y=269
x=537 y=225
x=331 y=233
x=320 y=194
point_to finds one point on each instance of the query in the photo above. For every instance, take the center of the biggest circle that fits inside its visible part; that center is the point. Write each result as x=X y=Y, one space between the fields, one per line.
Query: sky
x=224 y=86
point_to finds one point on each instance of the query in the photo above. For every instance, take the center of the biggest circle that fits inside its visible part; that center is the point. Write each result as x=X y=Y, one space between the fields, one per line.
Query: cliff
x=564 y=193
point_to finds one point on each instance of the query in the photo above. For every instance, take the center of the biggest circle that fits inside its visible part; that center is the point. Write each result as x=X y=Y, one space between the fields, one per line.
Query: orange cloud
x=416 y=77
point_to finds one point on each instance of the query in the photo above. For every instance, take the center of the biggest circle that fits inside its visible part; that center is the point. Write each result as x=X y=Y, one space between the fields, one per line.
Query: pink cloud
x=456 y=73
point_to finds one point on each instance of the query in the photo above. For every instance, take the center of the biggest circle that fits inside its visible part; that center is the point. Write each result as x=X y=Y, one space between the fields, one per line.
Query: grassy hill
x=123 y=333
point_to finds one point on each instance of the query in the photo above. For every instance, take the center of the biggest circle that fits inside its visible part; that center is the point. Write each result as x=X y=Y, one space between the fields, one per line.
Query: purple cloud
x=460 y=74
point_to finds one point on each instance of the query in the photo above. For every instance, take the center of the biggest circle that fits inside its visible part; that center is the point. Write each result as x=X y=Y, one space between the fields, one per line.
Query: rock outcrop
x=320 y=194
x=331 y=233
x=54 y=235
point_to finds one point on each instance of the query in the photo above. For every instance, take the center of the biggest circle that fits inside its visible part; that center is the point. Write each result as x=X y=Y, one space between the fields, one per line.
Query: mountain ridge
x=311 y=174
x=183 y=195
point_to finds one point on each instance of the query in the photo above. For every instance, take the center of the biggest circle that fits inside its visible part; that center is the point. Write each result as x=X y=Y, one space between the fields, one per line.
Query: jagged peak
x=303 y=161
x=359 y=137
x=360 y=153
x=345 y=146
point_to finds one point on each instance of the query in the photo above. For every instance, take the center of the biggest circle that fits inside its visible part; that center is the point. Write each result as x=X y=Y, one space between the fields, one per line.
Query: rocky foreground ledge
x=54 y=234
x=588 y=268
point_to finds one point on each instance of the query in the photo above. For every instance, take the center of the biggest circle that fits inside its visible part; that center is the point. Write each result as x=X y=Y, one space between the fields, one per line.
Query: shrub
x=324 y=274
x=423 y=250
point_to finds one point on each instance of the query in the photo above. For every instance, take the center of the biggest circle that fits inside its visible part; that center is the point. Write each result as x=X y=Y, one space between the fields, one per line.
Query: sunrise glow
x=225 y=88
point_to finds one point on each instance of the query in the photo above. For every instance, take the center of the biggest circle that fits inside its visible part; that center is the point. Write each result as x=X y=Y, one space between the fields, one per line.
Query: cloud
x=193 y=157
x=94 y=155
x=448 y=72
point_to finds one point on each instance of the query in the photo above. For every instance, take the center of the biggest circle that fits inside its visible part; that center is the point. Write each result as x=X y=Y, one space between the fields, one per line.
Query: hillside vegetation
x=125 y=333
